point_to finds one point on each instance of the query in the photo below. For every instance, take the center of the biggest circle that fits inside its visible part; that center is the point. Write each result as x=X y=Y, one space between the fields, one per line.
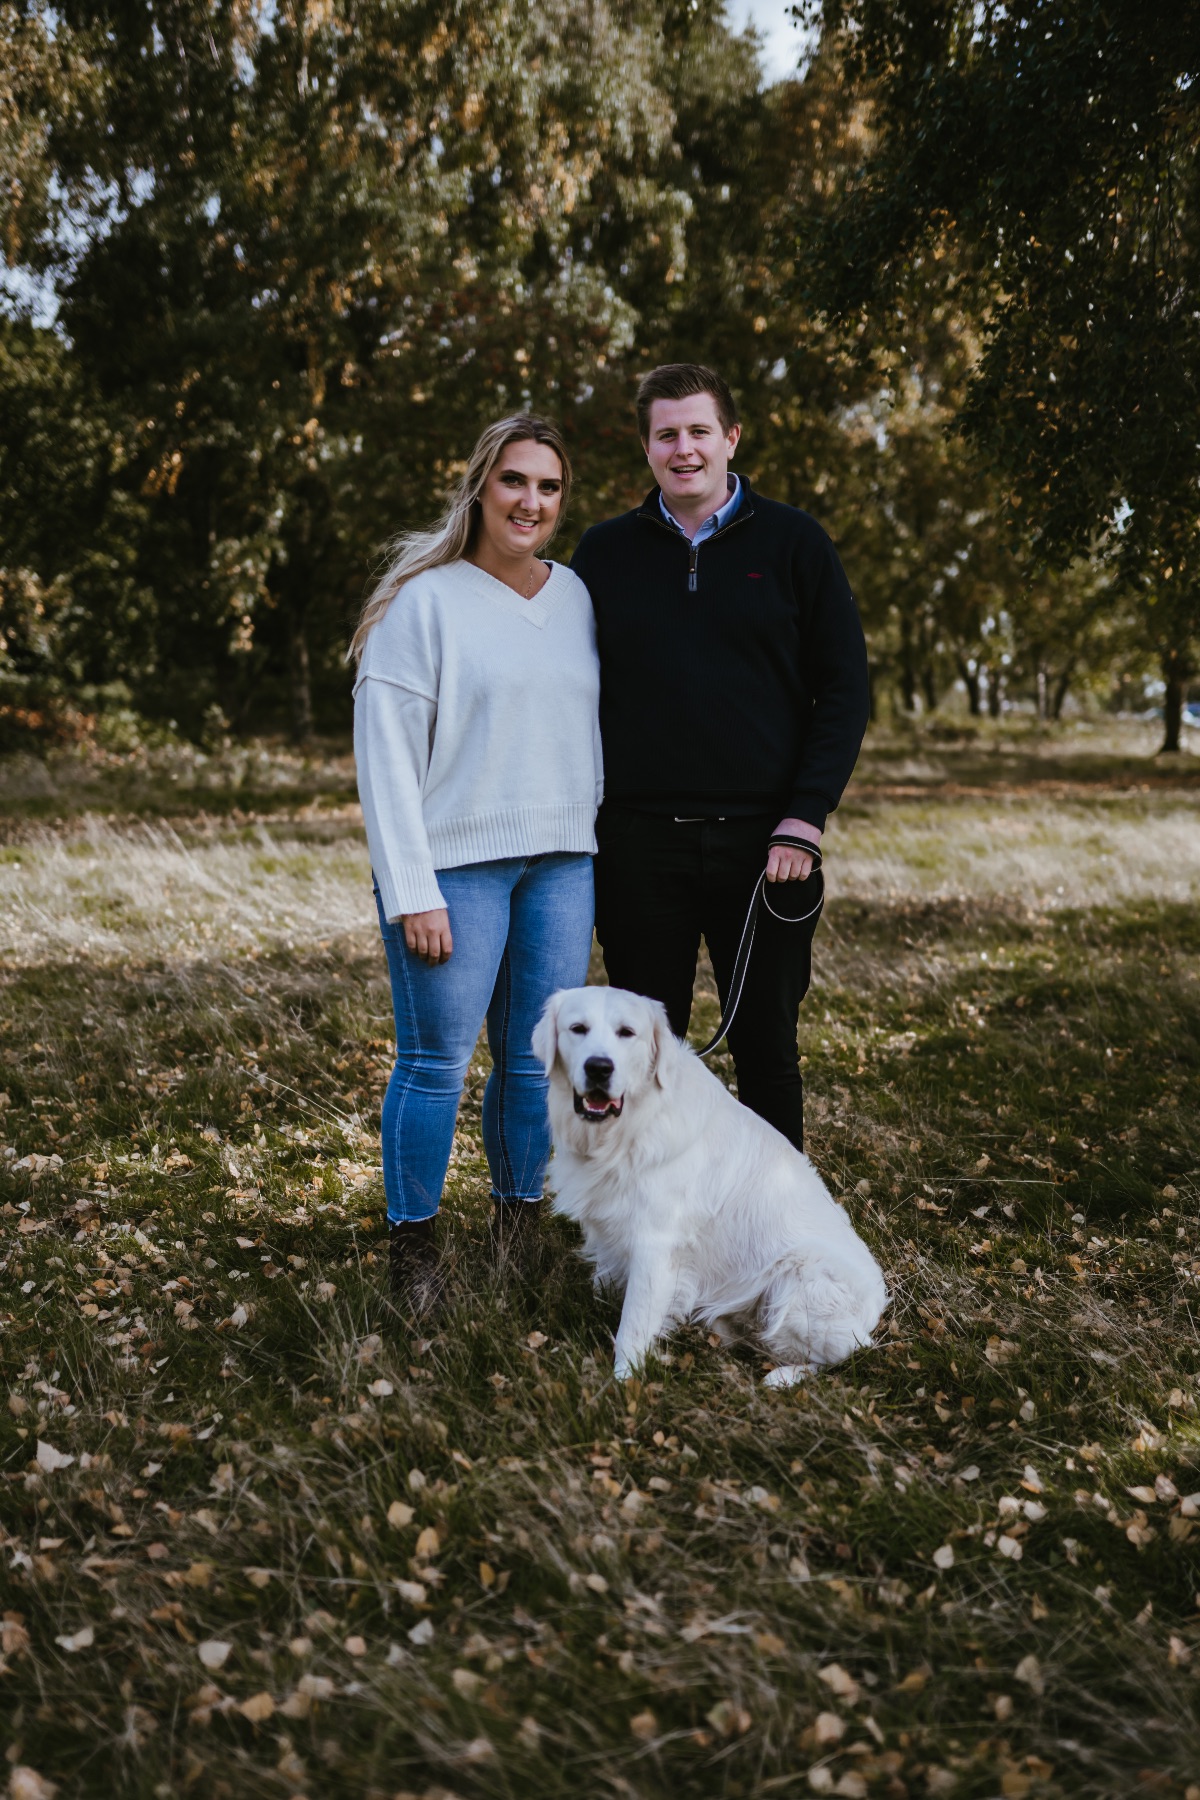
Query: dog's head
x=609 y=1045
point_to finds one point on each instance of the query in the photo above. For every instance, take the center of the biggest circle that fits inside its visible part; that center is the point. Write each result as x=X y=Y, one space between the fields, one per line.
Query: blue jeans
x=522 y=928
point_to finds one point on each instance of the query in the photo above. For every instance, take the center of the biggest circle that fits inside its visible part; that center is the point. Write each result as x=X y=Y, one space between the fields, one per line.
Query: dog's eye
x=580 y=1030
x=626 y=1031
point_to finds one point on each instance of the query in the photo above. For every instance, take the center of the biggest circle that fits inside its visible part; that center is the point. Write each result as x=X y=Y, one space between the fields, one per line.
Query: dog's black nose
x=598 y=1069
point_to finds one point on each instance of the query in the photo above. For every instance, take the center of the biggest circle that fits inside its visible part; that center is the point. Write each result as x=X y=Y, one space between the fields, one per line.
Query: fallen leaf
x=727 y=1719
x=83 y=1639
x=840 y=1682
x=355 y=1646
x=828 y=1728
x=51 y=1460
x=536 y=1339
x=259 y=1578
x=943 y=1558
x=643 y=1725
x=317 y=1687
x=422 y=1633
x=428 y=1543
x=466 y=1682
x=26 y=1784
x=399 y=1515
x=487 y=1575
x=1010 y=1547
x=257 y=1708
x=213 y=1653
x=412 y=1591
x=381 y=1389
x=913 y=1682
x=1029 y=1671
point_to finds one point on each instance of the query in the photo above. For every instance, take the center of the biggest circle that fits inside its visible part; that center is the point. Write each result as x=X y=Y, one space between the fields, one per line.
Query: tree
x=327 y=242
x=1040 y=162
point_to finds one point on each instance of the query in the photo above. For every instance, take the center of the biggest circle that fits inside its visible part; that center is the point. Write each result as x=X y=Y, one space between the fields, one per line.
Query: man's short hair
x=679 y=381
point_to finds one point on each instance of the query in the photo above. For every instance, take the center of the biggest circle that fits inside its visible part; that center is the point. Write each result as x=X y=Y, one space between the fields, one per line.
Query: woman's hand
x=427 y=935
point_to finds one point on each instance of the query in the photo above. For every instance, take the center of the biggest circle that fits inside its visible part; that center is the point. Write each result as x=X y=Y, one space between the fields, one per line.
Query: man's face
x=690 y=453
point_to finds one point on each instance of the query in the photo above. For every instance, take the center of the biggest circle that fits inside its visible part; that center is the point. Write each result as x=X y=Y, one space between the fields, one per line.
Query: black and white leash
x=741 y=961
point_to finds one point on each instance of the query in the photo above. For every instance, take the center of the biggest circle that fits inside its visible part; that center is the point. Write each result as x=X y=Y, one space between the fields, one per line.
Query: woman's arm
x=393 y=738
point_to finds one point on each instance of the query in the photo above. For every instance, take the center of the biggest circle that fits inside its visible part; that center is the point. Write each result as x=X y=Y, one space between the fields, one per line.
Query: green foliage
x=1039 y=164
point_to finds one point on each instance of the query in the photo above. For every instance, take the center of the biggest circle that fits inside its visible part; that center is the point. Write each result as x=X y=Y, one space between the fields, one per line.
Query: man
x=733 y=701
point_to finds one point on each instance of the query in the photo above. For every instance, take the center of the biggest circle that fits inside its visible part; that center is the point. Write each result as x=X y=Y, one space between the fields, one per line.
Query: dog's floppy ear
x=663 y=1042
x=545 y=1033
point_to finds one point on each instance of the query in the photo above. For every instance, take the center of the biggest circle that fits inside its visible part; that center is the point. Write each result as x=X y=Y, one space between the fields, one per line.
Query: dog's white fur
x=697 y=1207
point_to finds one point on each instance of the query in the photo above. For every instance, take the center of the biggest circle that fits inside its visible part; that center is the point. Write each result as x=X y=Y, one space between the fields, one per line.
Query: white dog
x=697 y=1207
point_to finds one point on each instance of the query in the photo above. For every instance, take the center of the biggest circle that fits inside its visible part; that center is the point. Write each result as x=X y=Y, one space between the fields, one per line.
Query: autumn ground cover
x=256 y=1542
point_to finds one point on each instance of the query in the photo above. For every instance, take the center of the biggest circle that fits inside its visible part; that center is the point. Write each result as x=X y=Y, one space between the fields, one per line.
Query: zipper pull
x=693 y=553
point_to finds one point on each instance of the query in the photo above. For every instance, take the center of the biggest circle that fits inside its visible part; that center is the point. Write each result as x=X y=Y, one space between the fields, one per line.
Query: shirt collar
x=715 y=521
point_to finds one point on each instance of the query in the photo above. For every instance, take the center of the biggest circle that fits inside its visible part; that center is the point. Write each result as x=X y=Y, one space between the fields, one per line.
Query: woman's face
x=521 y=499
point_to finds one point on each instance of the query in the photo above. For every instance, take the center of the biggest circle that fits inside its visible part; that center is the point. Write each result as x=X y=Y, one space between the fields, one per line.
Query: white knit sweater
x=476 y=728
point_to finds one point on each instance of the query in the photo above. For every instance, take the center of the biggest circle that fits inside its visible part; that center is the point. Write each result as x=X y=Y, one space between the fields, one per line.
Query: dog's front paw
x=623 y=1370
x=787 y=1375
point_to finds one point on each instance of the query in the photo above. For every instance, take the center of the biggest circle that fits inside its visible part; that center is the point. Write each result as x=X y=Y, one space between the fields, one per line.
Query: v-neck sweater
x=476 y=728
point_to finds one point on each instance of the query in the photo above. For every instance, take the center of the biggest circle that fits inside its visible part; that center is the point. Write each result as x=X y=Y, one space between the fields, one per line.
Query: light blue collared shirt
x=715 y=521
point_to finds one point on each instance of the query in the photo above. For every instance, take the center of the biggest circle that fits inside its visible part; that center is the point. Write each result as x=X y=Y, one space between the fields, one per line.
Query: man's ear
x=663 y=1042
x=545 y=1033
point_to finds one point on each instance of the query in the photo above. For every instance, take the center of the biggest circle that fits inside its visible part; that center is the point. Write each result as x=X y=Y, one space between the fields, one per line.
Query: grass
x=295 y=1553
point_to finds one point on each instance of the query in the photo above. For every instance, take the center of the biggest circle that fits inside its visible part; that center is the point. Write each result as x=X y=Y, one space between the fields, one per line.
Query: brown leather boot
x=416 y=1272
x=515 y=1231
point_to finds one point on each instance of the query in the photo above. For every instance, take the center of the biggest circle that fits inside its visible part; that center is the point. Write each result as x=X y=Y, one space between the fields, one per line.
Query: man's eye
x=580 y=1030
x=625 y=1031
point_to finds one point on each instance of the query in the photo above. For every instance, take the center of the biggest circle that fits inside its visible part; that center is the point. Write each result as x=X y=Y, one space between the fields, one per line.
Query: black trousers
x=662 y=884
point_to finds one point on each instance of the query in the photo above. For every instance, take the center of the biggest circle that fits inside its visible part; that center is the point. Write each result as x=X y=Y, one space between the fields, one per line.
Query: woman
x=478 y=749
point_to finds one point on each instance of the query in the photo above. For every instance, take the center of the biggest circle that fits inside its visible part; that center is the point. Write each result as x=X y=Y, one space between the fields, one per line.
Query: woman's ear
x=545 y=1033
x=663 y=1042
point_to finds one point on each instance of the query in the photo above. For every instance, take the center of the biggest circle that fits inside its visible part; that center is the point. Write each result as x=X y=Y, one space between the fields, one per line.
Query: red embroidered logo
x=754 y=575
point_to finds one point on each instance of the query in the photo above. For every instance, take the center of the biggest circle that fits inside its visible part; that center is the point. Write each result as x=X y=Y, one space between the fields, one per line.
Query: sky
x=777 y=30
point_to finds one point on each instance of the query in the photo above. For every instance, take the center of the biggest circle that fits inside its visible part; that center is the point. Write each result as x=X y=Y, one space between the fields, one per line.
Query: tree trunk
x=299 y=680
x=928 y=687
x=995 y=701
x=1060 y=691
x=908 y=679
x=1041 y=693
x=971 y=683
x=1174 y=674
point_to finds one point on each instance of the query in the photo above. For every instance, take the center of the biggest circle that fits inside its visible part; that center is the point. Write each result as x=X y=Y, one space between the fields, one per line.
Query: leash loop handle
x=741 y=962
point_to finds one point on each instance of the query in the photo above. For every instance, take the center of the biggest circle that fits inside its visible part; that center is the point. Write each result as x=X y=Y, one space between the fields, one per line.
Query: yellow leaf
x=428 y=1543
x=257 y=1708
x=399 y=1515
x=913 y=1682
x=643 y=1725
x=487 y=1575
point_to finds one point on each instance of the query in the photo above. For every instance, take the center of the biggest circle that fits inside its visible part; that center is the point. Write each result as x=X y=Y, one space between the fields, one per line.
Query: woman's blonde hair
x=413 y=552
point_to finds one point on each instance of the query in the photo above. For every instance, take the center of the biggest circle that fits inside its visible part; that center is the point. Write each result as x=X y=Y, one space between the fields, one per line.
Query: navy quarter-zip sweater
x=733 y=673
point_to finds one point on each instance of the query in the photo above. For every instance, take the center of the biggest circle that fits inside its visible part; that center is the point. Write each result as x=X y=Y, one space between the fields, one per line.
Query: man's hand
x=427 y=934
x=784 y=863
